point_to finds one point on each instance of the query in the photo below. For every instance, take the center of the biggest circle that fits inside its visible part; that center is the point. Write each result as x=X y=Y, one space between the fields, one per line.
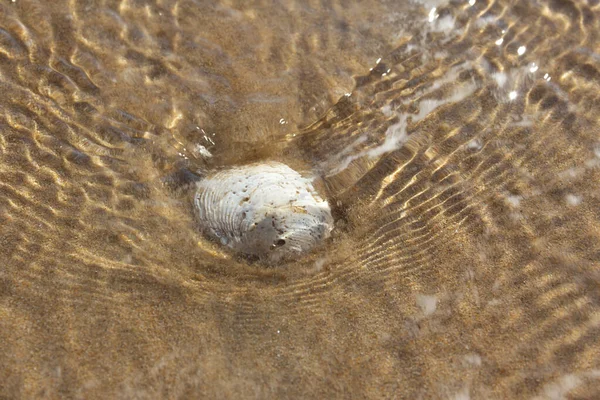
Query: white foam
x=431 y=3
x=514 y=200
x=462 y=395
x=500 y=78
x=570 y=173
x=445 y=24
x=387 y=110
x=319 y=264
x=474 y=144
x=395 y=136
x=427 y=304
x=484 y=21
x=573 y=200
x=473 y=359
x=202 y=151
x=427 y=106
x=558 y=390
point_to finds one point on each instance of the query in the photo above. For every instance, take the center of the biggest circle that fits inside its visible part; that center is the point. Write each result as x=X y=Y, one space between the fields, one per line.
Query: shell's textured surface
x=266 y=210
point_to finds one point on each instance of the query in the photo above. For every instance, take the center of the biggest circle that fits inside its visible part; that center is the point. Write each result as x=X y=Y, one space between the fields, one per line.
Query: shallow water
x=457 y=142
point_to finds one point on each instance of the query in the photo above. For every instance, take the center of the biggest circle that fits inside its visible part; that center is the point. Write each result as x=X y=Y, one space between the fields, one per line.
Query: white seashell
x=266 y=210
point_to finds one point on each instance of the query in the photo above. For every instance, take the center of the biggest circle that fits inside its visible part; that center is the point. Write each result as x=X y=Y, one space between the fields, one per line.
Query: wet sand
x=458 y=146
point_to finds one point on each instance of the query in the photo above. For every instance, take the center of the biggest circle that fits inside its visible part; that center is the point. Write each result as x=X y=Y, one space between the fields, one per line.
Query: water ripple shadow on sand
x=466 y=262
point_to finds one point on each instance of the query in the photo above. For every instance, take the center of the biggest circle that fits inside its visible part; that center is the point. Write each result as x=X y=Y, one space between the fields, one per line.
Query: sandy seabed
x=458 y=144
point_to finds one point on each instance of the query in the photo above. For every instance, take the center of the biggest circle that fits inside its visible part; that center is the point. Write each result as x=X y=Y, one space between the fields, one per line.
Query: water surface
x=458 y=143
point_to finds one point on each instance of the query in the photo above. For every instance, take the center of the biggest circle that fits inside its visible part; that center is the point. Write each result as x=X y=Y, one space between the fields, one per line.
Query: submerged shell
x=266 y=210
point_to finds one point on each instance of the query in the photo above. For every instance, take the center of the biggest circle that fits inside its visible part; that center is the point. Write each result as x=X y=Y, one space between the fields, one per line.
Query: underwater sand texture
x=458 y=143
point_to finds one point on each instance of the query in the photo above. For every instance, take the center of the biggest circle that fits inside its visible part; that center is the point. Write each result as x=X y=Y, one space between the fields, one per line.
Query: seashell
x=266 y=210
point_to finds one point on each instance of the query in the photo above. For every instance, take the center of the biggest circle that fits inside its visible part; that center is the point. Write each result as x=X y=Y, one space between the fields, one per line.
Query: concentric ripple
x=459 y=146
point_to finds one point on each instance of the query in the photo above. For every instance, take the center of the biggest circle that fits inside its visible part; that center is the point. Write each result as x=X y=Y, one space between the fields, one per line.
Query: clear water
x=457 y=142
